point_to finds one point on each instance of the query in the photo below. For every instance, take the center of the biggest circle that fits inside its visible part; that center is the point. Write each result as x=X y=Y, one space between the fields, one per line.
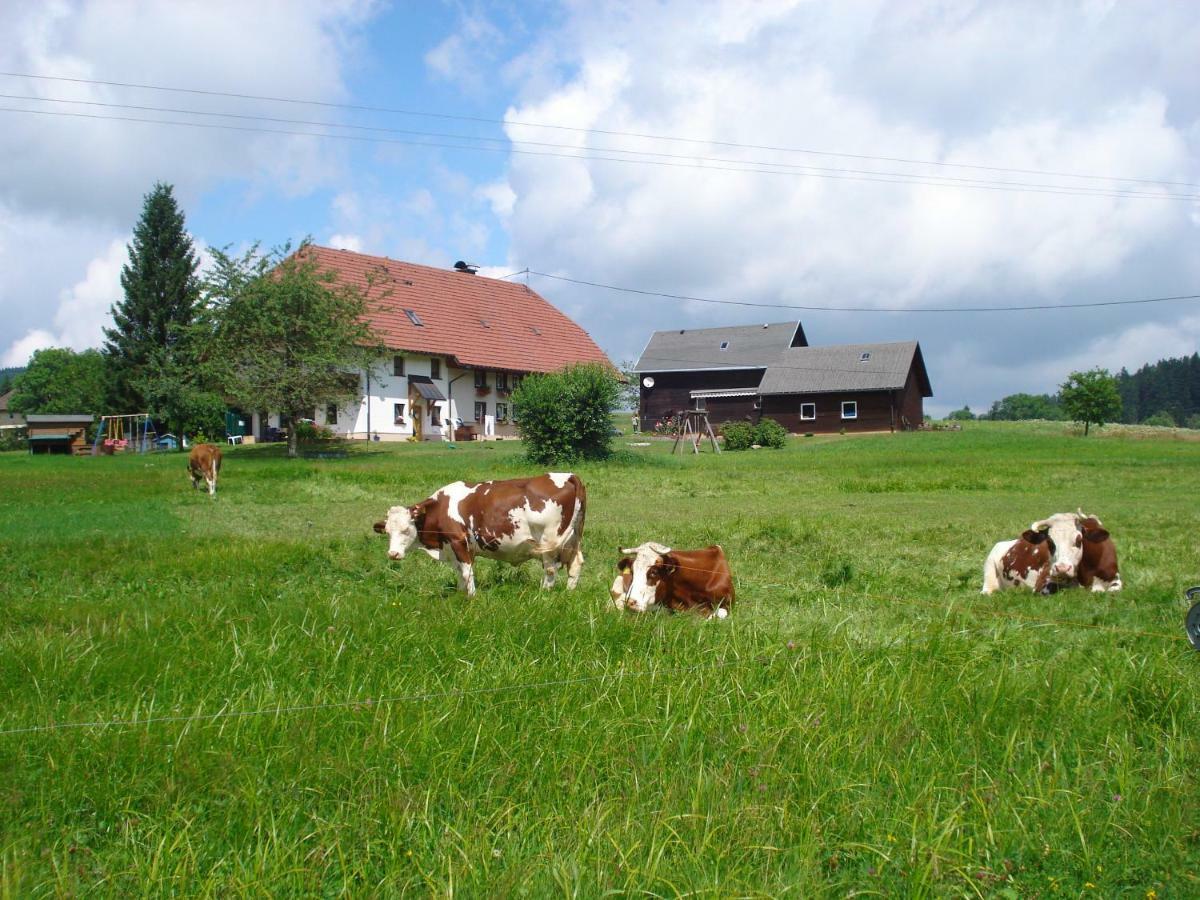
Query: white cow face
x=638 y=575
x=401 y=530
x=1066 y=544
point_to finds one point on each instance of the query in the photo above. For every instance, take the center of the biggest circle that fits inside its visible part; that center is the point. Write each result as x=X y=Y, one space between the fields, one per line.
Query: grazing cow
x=1098 y=566
x=513 y=521
x=675 y=579
x=204 y=462
x=1024 y=562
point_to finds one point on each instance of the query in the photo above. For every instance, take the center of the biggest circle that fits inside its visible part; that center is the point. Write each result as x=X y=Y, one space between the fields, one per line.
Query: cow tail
x=580 y=507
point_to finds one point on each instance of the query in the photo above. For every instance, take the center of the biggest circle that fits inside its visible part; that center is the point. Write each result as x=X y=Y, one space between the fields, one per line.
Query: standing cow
x=513 y=521
x=204 y=463
x=677 y=580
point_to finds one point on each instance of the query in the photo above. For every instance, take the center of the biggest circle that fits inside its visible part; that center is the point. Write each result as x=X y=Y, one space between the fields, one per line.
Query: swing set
x=133 y=432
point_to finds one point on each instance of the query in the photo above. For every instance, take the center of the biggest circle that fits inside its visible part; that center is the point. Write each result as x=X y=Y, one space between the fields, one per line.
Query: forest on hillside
x=1166 y=392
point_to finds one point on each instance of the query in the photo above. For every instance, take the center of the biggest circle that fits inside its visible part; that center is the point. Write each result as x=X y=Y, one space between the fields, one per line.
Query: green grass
x=865 y=721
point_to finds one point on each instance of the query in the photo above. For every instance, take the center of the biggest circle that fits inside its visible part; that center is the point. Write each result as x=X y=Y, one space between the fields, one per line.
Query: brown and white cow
x=514 y=520
x=678 y=580
x=204 y=463
x=1024 y=562
x=1097 y=569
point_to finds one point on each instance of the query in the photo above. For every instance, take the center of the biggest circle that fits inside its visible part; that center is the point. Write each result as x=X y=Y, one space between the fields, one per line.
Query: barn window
x=808 y=411
x=397 y=365
x=435 y=368
x=849 y=409
x=331 y=414
x=724 y=345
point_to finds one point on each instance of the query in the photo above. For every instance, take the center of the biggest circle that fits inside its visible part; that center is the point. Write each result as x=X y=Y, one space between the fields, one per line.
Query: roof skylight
x=414 y=318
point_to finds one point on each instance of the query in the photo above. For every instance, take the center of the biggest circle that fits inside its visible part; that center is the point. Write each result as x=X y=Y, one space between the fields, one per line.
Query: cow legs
x=212 y=485
x=574 y=568
x=464 y=563
x=550 y=566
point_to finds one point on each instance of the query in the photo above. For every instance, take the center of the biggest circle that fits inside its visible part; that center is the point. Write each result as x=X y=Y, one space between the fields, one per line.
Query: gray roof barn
x=847 y=367
x=736 y=347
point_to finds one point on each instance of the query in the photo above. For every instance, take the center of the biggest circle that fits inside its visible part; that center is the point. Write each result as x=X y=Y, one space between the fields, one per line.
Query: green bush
x=14 y=439
x=1193 y=421
x=743 y=435
x=1162 y=418
x=771 y=434
x=738 y=435
x=311 y=431
x=566 y=416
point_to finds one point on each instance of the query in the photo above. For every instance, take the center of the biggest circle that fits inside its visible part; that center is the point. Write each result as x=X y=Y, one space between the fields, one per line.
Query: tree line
x=1165 y=393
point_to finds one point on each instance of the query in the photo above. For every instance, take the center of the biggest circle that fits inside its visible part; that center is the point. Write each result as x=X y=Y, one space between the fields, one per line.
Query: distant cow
x=204 y=462
x=1098 y=567
x=513 y=521
x=678 y=580
x=1024 y=562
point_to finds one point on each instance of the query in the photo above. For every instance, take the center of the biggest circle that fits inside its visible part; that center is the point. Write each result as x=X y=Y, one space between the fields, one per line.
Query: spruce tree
x=162 y=291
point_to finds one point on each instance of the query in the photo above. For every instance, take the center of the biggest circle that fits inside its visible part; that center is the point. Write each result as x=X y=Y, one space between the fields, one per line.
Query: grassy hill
x=865 y=720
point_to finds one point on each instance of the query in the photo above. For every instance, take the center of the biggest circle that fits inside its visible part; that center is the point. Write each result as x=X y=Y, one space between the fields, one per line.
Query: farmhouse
x=9 y=418
x=459 y=343
x=748 y=372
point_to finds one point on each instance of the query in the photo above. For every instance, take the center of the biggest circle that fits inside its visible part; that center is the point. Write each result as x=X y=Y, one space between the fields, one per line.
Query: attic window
x=724 y=345
x=414 y=318
x=864 y=357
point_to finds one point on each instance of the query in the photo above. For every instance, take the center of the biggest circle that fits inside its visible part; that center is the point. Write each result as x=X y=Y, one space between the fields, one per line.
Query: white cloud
x=351 y=242
x=20 y=351
x=1048 y=89
x=77 y=183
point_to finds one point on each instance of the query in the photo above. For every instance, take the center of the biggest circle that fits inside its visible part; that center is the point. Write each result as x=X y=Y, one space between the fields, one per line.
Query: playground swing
x=118 y=434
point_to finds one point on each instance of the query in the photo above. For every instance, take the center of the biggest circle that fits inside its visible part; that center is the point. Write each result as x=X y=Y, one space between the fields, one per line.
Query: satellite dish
x=647 y=382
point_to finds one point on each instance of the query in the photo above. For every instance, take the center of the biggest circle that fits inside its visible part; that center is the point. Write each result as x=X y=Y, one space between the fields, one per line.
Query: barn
x=751 y=372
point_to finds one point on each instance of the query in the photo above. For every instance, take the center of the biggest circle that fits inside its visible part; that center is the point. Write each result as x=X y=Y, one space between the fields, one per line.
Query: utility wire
x=692 y=160
x=600 y=131
x=867 y=309
x=1004 y=187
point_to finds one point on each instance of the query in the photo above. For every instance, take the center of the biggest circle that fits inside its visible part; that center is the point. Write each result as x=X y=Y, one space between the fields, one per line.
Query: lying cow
x=674 y=579
x=513 y=521
x=1060 y=551
x=204 y=462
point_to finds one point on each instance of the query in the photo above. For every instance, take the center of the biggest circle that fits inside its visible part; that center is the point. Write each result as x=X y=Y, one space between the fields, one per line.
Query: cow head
x=639 y=573
x=1093 y=529
x=401 y=527
x=1065 y=533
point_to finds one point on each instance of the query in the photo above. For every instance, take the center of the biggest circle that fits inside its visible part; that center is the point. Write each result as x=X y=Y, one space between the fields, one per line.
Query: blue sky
x=1094 y=92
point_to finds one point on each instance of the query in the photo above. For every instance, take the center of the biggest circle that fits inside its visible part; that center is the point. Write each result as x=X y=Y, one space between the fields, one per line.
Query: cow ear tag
x=627 y=571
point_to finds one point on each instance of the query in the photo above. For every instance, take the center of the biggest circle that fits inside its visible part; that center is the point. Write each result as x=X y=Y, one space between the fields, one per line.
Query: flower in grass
x=871 y=871
x=1087 y=885
x=495 y=852
x=1116 y=798
x=891 y=839
x=791 y=645
x=742 y=728
x=1151 y=894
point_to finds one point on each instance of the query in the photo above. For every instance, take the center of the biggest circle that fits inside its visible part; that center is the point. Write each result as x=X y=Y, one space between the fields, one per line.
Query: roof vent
x=865 y=356
x=466 y=268
x=765 y=325
x=724 y=345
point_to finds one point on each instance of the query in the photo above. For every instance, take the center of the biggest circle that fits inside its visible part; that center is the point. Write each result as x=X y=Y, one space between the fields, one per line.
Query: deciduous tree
x=282 y=334
x=1091 y=398
x=59 y=380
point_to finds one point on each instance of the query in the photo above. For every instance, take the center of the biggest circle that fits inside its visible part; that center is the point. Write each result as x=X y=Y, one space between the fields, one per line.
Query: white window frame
x=854 y=412
x=810 y=418
x=400 y=413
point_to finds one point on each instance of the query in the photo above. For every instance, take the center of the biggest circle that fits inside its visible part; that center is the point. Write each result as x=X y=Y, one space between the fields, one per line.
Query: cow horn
x=1040 y=525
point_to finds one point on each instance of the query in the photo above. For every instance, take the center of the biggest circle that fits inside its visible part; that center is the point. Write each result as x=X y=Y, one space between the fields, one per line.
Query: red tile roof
x=480 y=322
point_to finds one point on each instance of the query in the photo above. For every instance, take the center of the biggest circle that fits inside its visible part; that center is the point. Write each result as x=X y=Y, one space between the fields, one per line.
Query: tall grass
x=864 y=721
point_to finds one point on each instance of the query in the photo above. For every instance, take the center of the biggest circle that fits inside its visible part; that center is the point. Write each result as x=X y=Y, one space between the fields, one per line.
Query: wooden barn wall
x=672 y=391
x=912 y=404
x=874 y=411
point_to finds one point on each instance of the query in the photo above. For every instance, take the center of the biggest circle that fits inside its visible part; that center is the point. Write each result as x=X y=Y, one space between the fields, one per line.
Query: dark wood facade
x=891 y=410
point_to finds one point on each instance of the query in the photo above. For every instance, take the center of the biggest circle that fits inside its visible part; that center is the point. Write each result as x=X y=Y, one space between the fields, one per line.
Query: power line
x=630 y=155
x=600 y=131
x=867 y=309
x=1004 y=187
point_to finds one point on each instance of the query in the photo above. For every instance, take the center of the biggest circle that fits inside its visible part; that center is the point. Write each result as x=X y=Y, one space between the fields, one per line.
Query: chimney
x=466 y=268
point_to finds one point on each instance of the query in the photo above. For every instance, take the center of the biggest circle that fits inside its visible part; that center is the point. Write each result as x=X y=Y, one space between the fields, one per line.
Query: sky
x=876 y=156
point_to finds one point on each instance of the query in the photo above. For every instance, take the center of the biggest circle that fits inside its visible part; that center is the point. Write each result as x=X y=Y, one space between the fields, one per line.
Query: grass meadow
x=865 y=722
